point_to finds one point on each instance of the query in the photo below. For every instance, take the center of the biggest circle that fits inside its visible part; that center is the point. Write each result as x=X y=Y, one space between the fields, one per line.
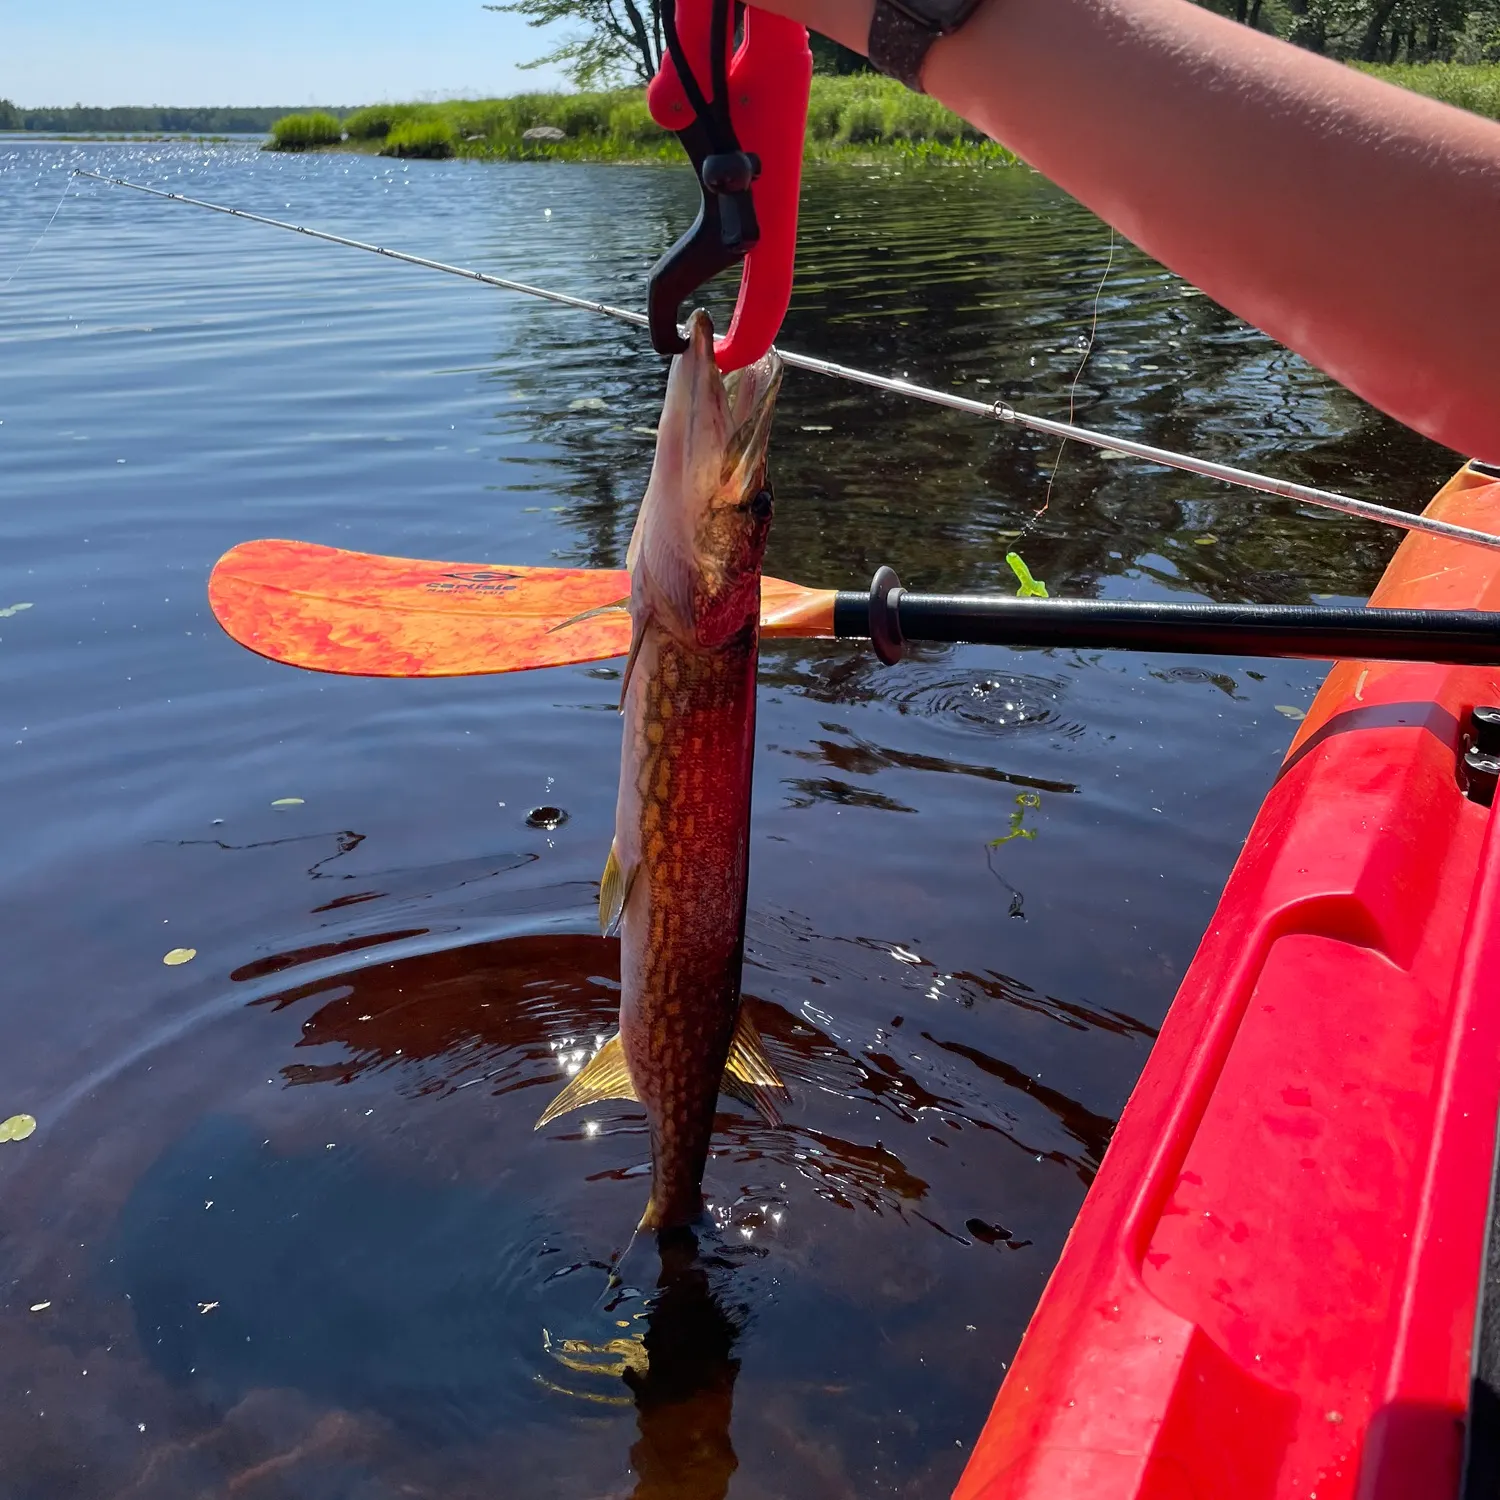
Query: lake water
x=284 y=1228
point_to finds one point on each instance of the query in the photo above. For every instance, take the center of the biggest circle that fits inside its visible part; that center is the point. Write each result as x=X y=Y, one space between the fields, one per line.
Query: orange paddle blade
x=329 y=610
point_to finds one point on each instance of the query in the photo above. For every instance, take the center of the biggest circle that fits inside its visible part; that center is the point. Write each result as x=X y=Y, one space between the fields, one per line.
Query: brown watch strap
x=898 y=44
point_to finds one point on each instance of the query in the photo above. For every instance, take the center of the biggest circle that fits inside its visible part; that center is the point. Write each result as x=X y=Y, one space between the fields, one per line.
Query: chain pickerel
x=674 y=885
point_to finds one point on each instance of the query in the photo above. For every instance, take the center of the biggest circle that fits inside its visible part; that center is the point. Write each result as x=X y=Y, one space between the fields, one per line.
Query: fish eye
x=762 y=505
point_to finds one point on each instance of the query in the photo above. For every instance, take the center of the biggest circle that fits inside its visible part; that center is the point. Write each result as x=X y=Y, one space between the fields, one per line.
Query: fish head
x=695 y=557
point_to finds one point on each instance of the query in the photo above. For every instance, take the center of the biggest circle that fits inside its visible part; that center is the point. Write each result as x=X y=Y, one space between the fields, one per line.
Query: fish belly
x=683 y=822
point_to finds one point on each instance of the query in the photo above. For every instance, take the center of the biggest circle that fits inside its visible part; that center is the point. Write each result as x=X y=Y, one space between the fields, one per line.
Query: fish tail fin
x=604 y=1076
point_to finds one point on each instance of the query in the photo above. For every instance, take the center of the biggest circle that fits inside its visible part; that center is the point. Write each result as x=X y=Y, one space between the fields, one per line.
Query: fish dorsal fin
x=604 y=1076
x=614 y=892
x=749 y=1075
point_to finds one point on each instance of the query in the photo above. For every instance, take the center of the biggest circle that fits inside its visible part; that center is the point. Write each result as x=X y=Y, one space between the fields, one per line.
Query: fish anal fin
x=604 y=1076
x=614 y=892
x=749 y=1074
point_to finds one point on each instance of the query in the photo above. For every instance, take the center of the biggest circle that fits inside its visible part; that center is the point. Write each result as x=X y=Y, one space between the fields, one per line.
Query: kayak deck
x=1270 y=1290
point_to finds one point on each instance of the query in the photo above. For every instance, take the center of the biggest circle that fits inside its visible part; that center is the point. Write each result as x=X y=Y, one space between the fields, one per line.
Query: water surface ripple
x=285 y=1228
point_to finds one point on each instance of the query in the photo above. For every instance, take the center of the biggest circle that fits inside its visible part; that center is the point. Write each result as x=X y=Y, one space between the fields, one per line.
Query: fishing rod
x=996 y=411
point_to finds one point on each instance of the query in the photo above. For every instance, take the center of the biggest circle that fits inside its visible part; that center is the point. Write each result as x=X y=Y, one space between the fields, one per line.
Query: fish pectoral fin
x=604 y=1076
x=614 y=892
x=637 y=637
x=749 y=1074
x=592 y=614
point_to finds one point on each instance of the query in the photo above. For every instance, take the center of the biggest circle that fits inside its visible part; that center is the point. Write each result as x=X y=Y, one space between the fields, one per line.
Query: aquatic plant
x=420 y=137
x=303 y=132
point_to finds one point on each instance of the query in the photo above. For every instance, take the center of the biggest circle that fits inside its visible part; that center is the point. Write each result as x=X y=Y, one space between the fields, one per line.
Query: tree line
x=613 y=41
x=145 y=120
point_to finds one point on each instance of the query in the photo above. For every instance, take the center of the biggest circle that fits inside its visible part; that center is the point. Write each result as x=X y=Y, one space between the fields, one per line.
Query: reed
x=422 y=136
x=374 y=121
x=305 y=132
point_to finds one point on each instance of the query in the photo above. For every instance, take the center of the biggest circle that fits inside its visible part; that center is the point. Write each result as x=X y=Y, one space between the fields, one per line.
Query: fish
x=674 y=885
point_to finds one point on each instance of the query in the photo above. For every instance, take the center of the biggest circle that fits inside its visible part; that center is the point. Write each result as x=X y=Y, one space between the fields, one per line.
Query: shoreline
x=862 y=119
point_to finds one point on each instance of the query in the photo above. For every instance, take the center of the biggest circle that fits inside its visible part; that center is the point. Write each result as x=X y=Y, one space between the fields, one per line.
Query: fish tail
x=666 y=1211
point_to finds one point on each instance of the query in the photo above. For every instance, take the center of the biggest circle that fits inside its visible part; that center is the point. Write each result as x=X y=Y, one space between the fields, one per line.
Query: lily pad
x=17 y=1128
x=12 y=609
x=179 y=956
x=288 y=802
x=1291 y=710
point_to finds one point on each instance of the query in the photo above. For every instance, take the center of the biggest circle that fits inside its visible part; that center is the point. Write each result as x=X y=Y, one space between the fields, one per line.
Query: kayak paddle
x=356 y=613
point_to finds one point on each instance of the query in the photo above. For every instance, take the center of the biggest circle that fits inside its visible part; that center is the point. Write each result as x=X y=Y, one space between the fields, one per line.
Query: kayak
x=1274 y=1284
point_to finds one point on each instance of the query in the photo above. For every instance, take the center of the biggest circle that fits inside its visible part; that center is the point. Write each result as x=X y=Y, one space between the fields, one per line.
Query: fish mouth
x=715 y=429
x=750 y=406
x=751 y=394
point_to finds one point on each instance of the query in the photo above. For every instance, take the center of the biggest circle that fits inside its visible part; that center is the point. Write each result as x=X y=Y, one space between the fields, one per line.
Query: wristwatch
x=901 y=31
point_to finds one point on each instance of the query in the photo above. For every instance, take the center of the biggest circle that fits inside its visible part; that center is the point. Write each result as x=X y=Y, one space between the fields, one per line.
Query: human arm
x=1352 y=221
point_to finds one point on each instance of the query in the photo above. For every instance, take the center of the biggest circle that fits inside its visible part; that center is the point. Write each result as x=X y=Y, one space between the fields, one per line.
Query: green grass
x=861 y=117
x=374 y=121
x=420 y=137
x=1471 y=86
x=304 y=132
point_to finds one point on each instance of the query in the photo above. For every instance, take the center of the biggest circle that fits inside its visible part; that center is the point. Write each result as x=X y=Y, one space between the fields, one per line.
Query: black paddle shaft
x=888 y=616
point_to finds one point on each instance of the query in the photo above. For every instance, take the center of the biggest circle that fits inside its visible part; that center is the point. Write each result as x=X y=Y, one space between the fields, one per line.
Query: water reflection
x=684 y=1388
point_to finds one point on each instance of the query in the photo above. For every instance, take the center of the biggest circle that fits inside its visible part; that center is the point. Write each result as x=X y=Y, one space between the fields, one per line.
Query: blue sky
x=261 y=51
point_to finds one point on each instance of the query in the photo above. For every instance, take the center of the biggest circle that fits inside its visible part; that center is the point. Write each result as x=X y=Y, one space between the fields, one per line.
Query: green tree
x=10 y=116
x=612 y=41
x=615 y=41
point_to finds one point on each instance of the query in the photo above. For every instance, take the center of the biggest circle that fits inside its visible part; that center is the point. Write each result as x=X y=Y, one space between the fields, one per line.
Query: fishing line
x=994 y=411
x=67 y=183
x=1088 y=349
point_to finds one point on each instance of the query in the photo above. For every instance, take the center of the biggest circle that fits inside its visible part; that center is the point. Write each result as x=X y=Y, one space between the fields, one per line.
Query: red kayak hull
x=1271 y=1288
